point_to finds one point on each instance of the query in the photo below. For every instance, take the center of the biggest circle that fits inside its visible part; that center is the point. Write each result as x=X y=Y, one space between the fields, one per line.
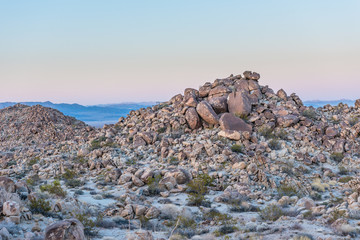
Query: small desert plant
x=226 y=229
x=218 y=218
x=282 y=134
x=353 y=120
x=197 y=189
x=53 y=188
x=96 y=143
x=173 y=160
x=271 y=212
x=87 y=222
x=287 y=190
x=274 y=144
x=345 y=179
x=161 y=130
x=243 y=116
x=337 y=157
x=317 y=185
x=343 y=170
x=33 y=161
x=70 y=178
x=153 y=185
x=40 y=206
x=303 y=237
x=266 y=132
x=310 y=113
x=335 y=215
x=308 y=215
x=33 y=180
x=237 y=148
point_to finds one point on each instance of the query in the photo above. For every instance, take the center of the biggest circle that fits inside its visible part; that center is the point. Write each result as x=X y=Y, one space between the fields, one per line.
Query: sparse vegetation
x=345 y=179
x=53 y=188
x=153 y=185
x=266 y=132
x=271 y=212
x=287 y=190
x=335 y=215
x=39 y=206
x=310 y=113
x=237 y=148
x=33 y=161
x=274 y=144
x=197 y=189
x=337 y=157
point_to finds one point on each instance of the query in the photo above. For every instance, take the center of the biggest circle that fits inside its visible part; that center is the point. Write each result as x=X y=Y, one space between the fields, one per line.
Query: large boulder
x=69 y=229
x=229 y=121
x=357 y=103
x=11 y=208
x=192 y=118
x=230 y=134
x=239 y=103
x=7 y=184
x=219 y=104
x=207 y=113
x=287 y=120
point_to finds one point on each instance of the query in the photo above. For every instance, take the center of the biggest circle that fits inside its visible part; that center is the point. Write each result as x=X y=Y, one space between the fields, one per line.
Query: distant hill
x=96 y=115
x=321 y=103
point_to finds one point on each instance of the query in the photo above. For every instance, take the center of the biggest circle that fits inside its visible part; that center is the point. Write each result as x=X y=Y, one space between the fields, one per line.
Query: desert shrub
x=96 y=143
x=39 y=206
x=282 y=134
x=197 y=189
x=173 y=160
x=33 y=161
x=353 y=120
x=335 y=215
x=243 y=207
x=53 y=188
x=72 y=183
x=89 y=224
x=310 y=113
x=130 y=161
x=153 y=185
x=33 y=180
x=308 y=215
x=161 y=130
x=343 y=170
x=218 y=218
x=345 y=179
x=69 y=174
x=317 y=185
x=226 y=229
x=303 y=237
x=243 y=116
x=274 y=144
x=271 y=212
x=266 y=132
x=237 y=148
x=287 y=190
x=337 y=157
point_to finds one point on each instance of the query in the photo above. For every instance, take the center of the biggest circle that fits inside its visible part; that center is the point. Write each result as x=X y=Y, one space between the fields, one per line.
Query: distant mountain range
x=98 y=115
x=320 y=103
x=95 y=115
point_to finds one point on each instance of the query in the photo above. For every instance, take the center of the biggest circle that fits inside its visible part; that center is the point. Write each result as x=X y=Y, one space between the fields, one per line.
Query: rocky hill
x=230 y=160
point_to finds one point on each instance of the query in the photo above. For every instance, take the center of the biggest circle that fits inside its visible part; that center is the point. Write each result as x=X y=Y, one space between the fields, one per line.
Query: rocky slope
x=230 y=160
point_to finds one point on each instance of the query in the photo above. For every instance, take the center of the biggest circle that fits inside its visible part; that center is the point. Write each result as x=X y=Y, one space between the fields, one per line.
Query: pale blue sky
x=89 y=51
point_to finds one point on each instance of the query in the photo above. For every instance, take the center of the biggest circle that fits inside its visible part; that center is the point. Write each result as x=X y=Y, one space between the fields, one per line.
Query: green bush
x=153 y=185
x=337 y=157
x=274 y=144
x=237 y=148
x=287 y=190
x=226 y=229
x=88 y=223
x=197 y=189
x=33 y=161
x=53 y=188
x=310 y=113
x=345 y=179
x=271 y=212
x=266 y=132
x=335 y=215
x=40 y=206
x=96 y=143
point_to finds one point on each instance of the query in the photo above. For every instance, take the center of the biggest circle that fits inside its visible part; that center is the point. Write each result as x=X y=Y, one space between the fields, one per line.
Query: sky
x=96 y=52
